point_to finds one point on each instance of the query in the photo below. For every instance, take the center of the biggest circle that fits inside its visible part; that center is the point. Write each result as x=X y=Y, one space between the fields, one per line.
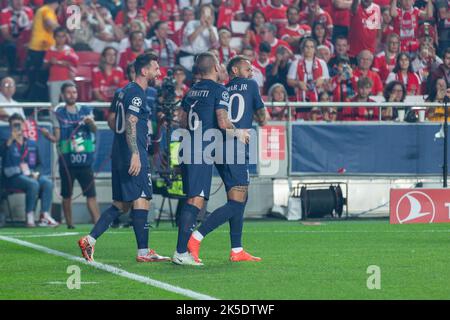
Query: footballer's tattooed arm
x=225 y=124
x=260 y=116
x=131 y=133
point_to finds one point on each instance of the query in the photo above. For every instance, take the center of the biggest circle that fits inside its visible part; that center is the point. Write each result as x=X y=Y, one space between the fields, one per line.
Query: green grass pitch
x=327 y=261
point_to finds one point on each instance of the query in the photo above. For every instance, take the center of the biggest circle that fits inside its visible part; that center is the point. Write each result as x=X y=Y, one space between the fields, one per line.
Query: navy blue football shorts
x=127 y=188
x=197 y=180
x=234 y=175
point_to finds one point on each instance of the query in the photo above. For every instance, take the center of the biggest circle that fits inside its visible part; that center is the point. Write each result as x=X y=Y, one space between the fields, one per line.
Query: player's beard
x=151 y=82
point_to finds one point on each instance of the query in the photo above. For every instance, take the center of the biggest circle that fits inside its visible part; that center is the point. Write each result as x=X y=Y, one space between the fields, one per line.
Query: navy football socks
x=236 y=225
x=186 y=225
x=107 y=217
x=140 y=226
x=221 y=215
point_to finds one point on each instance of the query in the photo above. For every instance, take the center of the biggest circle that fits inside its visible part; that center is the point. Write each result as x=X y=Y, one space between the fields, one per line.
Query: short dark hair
x=340 y=37
x=133 y=33
x=158 y=24
x=265 y=47
x=130 y=67
x=342 y=59
x=52 y=1
x=364 y=82
x=67 y=85
x=236 y=60
x=205 y=63
x=142 y=61
x=447 y=51
x=15 y=116
x=59 y=29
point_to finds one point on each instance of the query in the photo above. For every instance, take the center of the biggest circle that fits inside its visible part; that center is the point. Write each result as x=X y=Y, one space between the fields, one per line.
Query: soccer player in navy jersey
x=204 y=109
x=245 y=105
x=131 y=179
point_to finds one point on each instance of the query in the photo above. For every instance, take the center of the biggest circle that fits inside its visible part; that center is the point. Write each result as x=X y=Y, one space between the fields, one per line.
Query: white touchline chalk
x=114 y=270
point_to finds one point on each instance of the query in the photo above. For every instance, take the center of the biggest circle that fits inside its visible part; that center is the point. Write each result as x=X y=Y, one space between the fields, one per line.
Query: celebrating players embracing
x=204 y=108
x=245 y=105
x=131 y=180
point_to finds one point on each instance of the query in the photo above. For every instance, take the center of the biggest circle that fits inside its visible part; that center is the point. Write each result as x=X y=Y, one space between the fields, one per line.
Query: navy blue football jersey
x=245 y=99
x=201 y=103
x=131 y=99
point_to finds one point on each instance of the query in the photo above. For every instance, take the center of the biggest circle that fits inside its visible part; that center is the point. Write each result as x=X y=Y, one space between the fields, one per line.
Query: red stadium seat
x=88 y=58
x=83 y=80
x=84 y=71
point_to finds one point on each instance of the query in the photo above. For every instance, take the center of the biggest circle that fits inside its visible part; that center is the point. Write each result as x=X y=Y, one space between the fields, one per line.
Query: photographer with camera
x=21 y=171
x=343 y=85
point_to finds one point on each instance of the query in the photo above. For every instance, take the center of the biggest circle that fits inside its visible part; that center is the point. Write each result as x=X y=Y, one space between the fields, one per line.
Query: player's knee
x=196 y=202
x=238 y=194
x=141 y=204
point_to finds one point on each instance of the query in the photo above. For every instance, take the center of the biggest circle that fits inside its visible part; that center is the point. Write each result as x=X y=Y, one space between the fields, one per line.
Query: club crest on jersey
x=136 y=101
x=225 y=96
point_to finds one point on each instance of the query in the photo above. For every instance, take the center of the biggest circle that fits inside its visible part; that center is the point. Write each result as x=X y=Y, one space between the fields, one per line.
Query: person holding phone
x=22 y=171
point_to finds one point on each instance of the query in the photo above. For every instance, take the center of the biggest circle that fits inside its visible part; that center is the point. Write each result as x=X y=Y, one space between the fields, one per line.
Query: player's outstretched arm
x=131 y=136
x=225 y=124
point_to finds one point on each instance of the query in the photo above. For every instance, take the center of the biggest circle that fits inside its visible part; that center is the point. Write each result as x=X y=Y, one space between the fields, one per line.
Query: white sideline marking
x=114 y=270
x=44 y=235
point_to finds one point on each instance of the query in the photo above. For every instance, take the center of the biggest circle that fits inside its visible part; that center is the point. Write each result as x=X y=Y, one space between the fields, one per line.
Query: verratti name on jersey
x=198 y=93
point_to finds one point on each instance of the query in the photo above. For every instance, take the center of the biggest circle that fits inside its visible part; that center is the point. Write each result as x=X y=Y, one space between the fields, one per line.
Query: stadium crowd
x=302 y=50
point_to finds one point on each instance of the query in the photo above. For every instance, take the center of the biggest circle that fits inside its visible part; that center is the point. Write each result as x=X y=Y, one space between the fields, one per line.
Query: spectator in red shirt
x=404 y=73
x=275 y=12
x=384 y=62
x=386 y=26
x=180 y=77
x=136 y=48
x=62 y=61
x=257 y=75
x=320 y=35
x=187 y=14
x=253 y=34
x=406 y=22
x=268 y=34
x=263 y=58
x=365 y=59
x=294 y=32
x=225 y=51
x=309 y=74
x=229 y=10
x=361 y=113
x=340 y=13
x=15 y=24
x=130 y=12
x=364 y=26
x=313 y=12
x=107 y=77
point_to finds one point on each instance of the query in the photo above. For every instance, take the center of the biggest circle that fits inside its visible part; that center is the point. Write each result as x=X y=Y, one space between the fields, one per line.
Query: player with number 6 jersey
x=245 y=104
x=204 y=108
